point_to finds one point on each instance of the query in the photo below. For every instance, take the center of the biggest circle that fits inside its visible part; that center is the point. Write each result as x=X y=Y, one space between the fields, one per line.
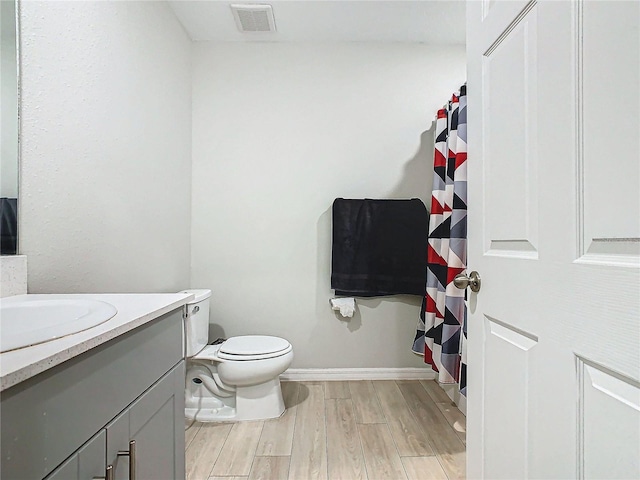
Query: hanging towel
x=8 y=226
x=379 y=247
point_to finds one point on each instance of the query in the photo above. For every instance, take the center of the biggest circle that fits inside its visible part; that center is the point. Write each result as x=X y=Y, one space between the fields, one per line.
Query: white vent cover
x=254 y=18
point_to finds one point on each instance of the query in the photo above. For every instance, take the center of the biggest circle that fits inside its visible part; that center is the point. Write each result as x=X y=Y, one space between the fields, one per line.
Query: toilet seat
x=246 y=347
x=263 y=356
x=253 y=347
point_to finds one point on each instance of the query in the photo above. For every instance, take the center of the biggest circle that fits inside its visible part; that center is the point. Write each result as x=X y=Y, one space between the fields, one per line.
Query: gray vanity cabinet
x=153 y=422
x=73 y=420
x=87 y=464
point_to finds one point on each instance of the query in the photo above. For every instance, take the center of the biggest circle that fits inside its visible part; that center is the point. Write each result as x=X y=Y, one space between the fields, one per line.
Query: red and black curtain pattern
x=442 y=327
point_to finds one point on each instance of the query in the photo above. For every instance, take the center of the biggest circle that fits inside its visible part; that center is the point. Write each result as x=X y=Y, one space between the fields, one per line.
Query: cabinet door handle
x=132 y=459
x=108 y=474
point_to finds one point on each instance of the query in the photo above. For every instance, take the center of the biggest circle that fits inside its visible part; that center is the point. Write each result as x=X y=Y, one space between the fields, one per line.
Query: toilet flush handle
x=186 y=314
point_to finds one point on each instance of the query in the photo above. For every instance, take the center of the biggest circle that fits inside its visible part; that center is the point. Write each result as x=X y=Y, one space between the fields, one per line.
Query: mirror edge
x=17 y=5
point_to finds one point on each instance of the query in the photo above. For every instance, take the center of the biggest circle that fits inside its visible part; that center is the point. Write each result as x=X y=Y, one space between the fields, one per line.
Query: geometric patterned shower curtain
x=442 y=328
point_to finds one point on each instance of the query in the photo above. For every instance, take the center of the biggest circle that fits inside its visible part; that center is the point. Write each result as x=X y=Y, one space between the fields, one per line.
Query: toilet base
x=205 y=415
x=256 y=402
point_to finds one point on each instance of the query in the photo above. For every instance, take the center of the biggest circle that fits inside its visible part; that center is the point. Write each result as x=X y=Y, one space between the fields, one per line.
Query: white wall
x=106 y=152
x=279 y=131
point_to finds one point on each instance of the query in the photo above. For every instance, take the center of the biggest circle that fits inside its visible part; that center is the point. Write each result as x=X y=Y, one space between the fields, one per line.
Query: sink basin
x=28 y=321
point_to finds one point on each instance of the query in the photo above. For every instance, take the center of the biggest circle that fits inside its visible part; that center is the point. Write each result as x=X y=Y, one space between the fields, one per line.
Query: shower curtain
x=442 y=327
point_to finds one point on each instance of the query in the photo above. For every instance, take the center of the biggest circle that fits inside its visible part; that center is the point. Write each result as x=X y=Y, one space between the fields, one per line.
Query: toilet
x=235 y=380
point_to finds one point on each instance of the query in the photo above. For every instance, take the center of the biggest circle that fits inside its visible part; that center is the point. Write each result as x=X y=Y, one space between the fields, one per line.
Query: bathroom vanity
x=104 y=403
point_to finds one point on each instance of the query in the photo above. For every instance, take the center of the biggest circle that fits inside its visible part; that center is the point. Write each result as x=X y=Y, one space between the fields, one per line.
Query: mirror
x=8 y=129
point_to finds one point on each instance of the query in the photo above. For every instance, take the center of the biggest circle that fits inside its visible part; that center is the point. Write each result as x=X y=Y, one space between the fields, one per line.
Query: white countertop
x=134 y=309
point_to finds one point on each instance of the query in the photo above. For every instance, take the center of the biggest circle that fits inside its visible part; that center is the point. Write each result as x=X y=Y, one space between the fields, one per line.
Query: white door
x=554 y=231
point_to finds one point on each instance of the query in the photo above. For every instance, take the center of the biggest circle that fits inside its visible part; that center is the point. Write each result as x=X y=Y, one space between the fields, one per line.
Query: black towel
x=8 y=226
x=379 y=247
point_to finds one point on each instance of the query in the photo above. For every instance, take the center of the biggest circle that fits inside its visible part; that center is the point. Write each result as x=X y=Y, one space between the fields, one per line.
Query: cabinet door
x=88 y=463
x=155 y=421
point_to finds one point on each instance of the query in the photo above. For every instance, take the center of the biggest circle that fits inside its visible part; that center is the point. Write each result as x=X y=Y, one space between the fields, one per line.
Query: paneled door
x=554 y=231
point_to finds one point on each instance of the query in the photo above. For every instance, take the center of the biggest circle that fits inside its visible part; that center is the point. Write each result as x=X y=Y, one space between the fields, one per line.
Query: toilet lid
x=253 y=345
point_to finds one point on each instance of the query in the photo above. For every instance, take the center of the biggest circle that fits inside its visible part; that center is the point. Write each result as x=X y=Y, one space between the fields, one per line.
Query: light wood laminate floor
x=364 y=430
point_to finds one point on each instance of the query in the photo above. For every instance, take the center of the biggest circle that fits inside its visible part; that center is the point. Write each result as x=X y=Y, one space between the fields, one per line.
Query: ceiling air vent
x=254 y=18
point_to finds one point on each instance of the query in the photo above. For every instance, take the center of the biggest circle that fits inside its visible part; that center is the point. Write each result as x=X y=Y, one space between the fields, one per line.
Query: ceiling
x=433 y=22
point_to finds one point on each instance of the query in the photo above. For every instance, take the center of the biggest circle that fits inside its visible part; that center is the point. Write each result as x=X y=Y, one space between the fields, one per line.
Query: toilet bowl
x=235 y=380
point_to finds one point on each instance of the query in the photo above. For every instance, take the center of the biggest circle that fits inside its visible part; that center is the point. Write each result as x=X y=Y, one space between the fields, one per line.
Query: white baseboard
x=328 y=374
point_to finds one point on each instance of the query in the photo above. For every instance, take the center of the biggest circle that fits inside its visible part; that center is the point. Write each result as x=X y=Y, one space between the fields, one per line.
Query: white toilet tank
x=197 y=321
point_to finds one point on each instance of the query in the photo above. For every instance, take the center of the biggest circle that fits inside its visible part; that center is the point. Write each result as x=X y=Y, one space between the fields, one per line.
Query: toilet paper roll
x=346 y=306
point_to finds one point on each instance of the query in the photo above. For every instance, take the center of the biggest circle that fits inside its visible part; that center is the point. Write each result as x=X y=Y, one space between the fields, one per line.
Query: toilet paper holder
x=345 y=305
